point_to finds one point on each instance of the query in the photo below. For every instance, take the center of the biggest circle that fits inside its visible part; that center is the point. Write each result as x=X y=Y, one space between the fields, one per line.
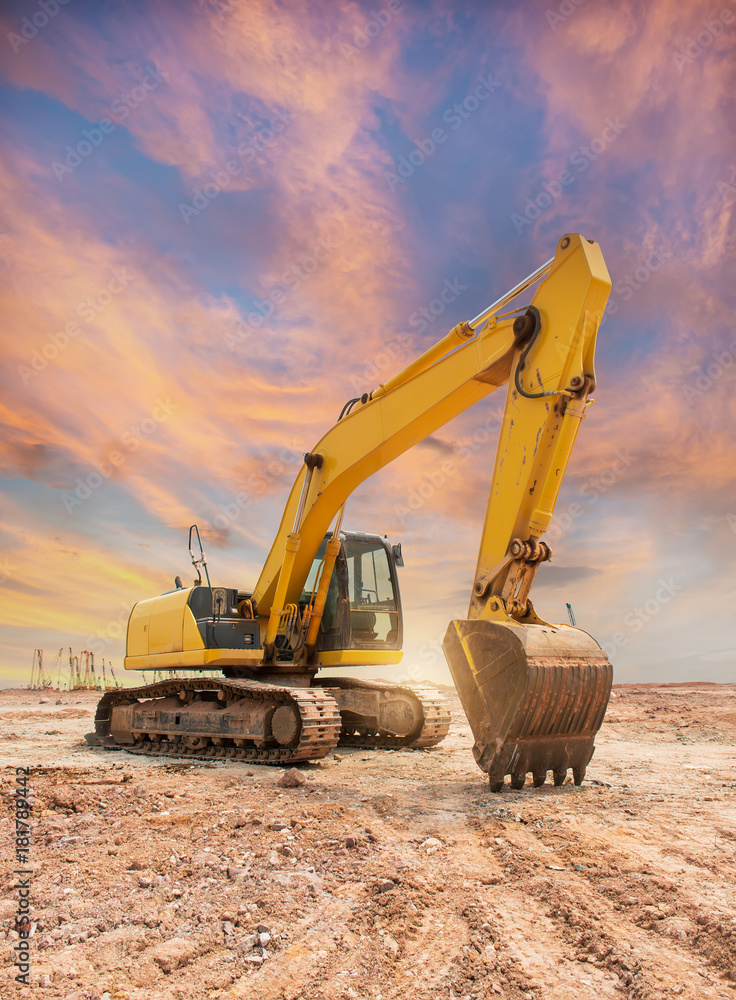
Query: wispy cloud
x=113 y=304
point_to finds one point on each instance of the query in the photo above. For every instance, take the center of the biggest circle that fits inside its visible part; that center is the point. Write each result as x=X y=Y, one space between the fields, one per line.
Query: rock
x=291 y=778
x=204 y=859
x=263 y=929
x=431 y=843
x=173 y=954
x=390 y=945
x=59 y=702
x=44 y=701
x=350 y=843
x=219 y=981
x=253 y=959
x=232 y=873
x=145 y=882
x=63 y=797
x=248 y=943
x=385 y=885
x=264 y=939
x=273 y=859
x=136 y=866
x=489 y=956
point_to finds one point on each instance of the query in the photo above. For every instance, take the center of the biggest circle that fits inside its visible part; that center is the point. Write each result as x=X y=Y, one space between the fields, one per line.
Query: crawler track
x=318 y=716
x=431 y=706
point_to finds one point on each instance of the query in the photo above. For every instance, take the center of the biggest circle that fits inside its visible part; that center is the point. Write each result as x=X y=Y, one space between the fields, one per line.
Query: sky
x=221 y=220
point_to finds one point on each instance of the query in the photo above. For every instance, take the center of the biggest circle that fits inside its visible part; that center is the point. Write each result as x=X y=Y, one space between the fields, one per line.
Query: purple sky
x=222 y=220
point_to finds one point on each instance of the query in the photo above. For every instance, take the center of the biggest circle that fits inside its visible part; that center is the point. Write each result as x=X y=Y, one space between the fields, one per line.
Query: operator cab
x=363 y=608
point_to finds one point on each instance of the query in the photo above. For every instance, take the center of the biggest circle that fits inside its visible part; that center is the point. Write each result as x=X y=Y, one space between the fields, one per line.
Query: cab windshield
x=374 y=617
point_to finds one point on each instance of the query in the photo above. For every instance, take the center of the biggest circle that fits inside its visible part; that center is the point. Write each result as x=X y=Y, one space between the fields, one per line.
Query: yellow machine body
x=534 y=693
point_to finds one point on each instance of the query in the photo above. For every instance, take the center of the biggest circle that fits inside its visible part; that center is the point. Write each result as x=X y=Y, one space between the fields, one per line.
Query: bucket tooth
x=539 y=778
x=535 y=696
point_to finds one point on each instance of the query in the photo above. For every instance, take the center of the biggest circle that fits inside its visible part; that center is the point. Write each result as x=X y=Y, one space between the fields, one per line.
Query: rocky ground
x=385 y=874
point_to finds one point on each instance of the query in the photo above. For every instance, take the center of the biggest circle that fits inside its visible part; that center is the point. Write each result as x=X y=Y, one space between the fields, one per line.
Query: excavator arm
x=547 y=357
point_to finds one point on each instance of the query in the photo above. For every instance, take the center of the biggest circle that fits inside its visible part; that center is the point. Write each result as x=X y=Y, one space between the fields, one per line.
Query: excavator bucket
x=535 y=696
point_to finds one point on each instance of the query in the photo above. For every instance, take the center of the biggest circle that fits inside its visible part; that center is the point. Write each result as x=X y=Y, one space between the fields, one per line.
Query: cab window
x=374 y=617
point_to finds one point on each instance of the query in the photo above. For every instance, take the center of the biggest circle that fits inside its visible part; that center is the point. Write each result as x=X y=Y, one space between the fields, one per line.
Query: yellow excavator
x=534 y=693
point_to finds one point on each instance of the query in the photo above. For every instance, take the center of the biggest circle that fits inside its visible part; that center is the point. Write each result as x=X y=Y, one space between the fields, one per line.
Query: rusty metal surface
x=122 y=722
x=394 y=715
x=251 y=721
x=535 y=696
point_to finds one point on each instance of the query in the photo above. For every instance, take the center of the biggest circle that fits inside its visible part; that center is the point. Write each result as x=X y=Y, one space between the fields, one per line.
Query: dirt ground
x=386 y=874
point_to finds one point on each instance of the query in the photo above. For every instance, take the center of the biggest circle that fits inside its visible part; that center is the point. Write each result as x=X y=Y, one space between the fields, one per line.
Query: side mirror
x=396 y=552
